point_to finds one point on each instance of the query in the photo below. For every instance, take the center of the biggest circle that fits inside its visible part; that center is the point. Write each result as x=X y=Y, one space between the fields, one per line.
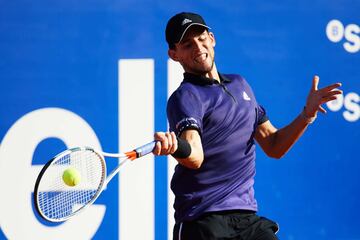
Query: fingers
x=328 y=99
x=315 y=83
x=318 y=97
x=331 y=87
x=334 y=92
x=157 y=149
x=321 y=109
x=167 y=143
x=329 y=96
x=174 y=143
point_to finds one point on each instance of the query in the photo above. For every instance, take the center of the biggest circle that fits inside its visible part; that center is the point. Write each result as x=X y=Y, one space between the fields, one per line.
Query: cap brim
x=192 y=24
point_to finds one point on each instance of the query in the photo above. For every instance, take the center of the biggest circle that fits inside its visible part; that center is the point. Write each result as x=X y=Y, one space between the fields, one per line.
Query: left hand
x=317 y=97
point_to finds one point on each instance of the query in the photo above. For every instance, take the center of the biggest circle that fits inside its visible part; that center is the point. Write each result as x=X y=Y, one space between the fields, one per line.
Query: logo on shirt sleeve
x=186 y=123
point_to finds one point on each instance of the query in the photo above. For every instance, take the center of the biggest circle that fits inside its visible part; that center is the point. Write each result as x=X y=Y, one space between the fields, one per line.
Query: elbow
x=275 y=155
x=275 y=151
x=191 y=162
x=193 y=166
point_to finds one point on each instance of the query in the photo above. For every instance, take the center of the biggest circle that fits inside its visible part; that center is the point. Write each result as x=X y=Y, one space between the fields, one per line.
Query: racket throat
x=132 y=155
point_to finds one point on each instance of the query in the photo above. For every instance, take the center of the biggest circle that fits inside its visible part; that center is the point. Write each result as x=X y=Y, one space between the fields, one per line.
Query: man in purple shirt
x=214 y=120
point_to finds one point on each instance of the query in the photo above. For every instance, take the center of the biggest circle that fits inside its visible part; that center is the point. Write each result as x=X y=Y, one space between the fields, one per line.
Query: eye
x=202 y=37
x=187 y=45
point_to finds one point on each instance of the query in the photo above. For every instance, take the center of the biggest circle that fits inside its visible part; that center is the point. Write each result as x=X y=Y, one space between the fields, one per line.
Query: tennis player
x=214 y=122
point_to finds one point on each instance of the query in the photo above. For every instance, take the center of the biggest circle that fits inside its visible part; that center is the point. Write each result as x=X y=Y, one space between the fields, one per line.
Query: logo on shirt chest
x=246 y=97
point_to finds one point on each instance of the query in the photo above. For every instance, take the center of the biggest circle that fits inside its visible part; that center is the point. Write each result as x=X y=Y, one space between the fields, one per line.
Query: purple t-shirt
x=226 y=116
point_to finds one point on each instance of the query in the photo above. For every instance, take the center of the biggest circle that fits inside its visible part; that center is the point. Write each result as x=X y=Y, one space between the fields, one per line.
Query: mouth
x=201 y=57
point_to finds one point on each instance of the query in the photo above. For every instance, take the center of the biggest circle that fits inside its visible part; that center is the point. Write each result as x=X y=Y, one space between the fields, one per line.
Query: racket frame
x=102 y=184
x=105 y=179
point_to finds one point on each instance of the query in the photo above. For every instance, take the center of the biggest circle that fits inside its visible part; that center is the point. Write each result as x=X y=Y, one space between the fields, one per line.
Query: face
x=195 y=52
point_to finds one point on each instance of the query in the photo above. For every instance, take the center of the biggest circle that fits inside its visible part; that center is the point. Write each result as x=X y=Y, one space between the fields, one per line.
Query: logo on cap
x=179 y=24
x=185 y=21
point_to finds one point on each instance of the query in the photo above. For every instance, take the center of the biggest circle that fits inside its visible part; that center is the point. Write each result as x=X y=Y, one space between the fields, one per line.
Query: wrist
x=308 y=119
x=183 y=150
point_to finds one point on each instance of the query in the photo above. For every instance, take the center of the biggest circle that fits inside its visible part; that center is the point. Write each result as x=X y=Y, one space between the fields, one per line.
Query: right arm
x=167 y=144
x=196 y=157
x=185 y=112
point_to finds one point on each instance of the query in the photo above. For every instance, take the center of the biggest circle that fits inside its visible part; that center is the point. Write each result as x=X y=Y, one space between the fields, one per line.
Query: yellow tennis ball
x=71 y=177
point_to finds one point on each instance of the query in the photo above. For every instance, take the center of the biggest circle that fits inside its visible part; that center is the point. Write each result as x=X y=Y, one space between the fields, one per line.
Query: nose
x=197 y=45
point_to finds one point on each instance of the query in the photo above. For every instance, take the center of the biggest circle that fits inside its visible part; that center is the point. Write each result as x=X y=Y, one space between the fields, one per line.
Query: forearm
x=283 y=139
x=187 y=149
x=276 y=142
x=196 y=157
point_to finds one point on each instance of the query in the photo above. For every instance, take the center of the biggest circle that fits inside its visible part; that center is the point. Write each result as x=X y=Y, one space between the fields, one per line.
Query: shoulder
x=234 y=77
x=183 y=91
x=184 y=94
x=237 y=79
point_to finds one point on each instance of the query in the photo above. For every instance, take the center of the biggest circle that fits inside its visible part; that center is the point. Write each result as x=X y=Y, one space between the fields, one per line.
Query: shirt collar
x=201 y=80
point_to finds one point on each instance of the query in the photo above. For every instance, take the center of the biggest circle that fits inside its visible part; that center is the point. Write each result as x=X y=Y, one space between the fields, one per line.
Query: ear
x=212 y=37
x=172 y=55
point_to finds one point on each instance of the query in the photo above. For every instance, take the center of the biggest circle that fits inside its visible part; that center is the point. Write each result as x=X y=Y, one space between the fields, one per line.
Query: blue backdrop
x=64 y=55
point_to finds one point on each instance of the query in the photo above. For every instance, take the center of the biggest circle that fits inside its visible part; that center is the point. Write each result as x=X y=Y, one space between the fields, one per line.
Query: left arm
x=276 y=142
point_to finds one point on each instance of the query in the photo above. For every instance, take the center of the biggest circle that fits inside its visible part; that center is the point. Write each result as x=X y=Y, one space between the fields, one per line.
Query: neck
x=212 y=74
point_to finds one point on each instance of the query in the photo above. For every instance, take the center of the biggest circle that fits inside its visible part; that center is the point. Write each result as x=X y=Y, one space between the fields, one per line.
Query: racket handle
x=145 y=149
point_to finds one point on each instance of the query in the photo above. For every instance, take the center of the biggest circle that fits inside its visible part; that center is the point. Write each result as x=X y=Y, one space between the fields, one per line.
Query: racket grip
x=145 y=149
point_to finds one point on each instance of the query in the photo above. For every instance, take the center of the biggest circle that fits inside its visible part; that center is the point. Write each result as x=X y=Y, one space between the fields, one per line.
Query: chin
x=201 y=69
x=207 y=68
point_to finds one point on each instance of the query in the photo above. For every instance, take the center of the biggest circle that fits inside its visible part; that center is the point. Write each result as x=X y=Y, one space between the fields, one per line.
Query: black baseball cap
x=179 y=24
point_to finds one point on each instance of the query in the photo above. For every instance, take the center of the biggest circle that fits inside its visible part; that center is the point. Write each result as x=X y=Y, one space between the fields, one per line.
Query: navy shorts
x=236 y=224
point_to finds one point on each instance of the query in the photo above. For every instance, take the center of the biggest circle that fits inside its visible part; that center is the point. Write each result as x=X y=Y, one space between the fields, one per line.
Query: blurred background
x=97 y=73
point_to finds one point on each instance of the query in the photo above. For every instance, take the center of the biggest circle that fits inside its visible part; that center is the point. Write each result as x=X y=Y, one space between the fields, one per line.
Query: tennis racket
x=55 y=201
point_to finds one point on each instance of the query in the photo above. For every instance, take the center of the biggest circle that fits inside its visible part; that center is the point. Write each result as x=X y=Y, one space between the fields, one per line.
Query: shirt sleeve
x=261 y=115
x=184 y=111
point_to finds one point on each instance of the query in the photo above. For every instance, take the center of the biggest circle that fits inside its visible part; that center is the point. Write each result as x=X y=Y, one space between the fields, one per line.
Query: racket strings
x=56 y=200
